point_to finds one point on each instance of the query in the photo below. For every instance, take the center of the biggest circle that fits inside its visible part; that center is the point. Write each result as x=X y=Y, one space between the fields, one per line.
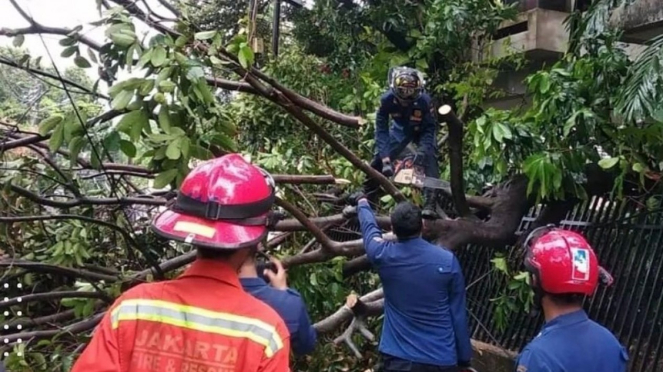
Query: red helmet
x=223 y=203
x=562 y=261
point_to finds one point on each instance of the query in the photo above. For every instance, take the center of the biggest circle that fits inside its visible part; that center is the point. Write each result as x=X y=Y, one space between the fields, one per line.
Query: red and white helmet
x=562 y=261
x=223 y=203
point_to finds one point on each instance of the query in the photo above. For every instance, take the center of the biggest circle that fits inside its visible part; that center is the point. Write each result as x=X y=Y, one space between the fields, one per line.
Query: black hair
x=567 y=299
x=406 y=220
x=214 y=254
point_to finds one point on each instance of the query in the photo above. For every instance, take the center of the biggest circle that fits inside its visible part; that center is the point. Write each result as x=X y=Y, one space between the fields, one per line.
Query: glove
x=420 y=159
x=387 y=169
x=354 y=198
x=349 y=212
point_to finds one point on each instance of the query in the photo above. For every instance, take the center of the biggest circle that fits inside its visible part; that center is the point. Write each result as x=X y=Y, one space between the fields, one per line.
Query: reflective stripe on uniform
x=199 y=319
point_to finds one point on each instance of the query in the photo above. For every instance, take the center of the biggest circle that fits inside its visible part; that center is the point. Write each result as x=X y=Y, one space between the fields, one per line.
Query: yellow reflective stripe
x=200 y=320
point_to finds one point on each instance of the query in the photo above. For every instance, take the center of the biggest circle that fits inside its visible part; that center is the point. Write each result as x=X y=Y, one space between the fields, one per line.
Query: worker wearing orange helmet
x=564 y=270
x=202 y=321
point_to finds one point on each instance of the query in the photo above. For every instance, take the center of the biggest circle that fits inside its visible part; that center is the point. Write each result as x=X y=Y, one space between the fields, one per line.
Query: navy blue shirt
x=573 y=343
x=415 y=119
x=289 y=305
x=425 y=316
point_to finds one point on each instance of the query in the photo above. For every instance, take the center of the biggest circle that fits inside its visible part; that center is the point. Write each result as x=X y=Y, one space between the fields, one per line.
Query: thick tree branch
x=34 y=139
x=125 y=234
x=344 y=314
x=75 y=328
x=455 y=144
x=54 y=269
x=170 y=7
x=49 y=296
x=333 y=220
x=77 y=202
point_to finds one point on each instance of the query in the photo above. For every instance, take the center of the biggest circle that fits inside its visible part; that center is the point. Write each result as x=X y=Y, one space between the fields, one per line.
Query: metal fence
x=627 y=237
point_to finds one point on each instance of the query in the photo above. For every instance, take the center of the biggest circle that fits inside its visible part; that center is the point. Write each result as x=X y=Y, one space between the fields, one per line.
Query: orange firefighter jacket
x=202 y=321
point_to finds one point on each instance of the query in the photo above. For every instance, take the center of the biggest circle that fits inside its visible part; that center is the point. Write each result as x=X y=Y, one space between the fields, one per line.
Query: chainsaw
x=409 y=172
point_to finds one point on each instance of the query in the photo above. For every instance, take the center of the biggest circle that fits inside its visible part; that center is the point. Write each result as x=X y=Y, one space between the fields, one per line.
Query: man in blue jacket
x=286 y=301
x=425 y=323
x=412 y=120
x=564 y=270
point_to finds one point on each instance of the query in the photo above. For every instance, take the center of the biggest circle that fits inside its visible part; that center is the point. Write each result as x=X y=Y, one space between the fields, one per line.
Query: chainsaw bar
x=410 y=177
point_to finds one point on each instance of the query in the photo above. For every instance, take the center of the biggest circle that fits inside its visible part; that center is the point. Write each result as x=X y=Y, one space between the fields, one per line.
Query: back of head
x=406 y=220
x=563 y=265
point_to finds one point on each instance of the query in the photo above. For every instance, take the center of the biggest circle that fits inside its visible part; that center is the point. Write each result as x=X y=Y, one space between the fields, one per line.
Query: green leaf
x=146 y=87
x=185 y=145
x=69 y=51
x=90 y=54
x=164 y=178
x=123 y=38
x=224 y=141
x=128 y=148
x=48 y=124
x=159 y=55
x=245 y=56
x=500 y=264
x=67 y=41
x=164 y=118
x=607 y=163
x=638 y=167
x=122 y=99
x=194 y=73
x=95 y=162
x=56 y=138
x=181 y=41
x=173 y=150
x=112 y=141
x=75 y=146
x=167 y=86
x=133 y=123
x=201 y=153
x=18 y=41
x=204 y=35
x=81 y=62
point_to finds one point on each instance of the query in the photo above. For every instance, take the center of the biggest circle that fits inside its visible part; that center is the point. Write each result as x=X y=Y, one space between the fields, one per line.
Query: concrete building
x=541 y=34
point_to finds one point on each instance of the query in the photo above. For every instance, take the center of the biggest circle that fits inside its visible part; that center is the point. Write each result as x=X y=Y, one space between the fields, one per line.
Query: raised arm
x=370 y=231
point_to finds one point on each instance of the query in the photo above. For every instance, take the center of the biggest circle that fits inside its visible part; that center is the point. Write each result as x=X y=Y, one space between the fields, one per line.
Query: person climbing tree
x=203 y=320
x=564 y=270
x=412 y=121
x=425 y=325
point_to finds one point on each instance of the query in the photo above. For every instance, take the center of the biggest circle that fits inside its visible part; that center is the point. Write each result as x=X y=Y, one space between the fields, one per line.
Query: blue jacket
x=425 y=316
x=408 y=121
x=289 y=305
x=573 y=343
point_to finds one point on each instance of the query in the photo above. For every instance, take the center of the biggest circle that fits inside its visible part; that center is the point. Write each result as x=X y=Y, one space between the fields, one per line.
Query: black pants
x=390 y=363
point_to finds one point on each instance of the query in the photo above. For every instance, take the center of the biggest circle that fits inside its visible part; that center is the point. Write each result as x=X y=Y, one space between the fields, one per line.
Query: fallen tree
x=169 y=112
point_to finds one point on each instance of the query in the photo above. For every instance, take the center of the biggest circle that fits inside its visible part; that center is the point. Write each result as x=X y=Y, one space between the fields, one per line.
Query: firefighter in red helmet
x=564 y=270
x=203 y=320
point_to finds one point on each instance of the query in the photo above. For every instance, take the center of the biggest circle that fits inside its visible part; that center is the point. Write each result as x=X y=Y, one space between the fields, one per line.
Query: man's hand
x=277 y=280
x=387 y=169
x=420 y=158
x=354 y=198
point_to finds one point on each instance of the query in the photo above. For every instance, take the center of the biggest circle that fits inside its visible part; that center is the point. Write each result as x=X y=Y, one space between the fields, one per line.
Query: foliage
x=28 y=98
x=171 y=113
